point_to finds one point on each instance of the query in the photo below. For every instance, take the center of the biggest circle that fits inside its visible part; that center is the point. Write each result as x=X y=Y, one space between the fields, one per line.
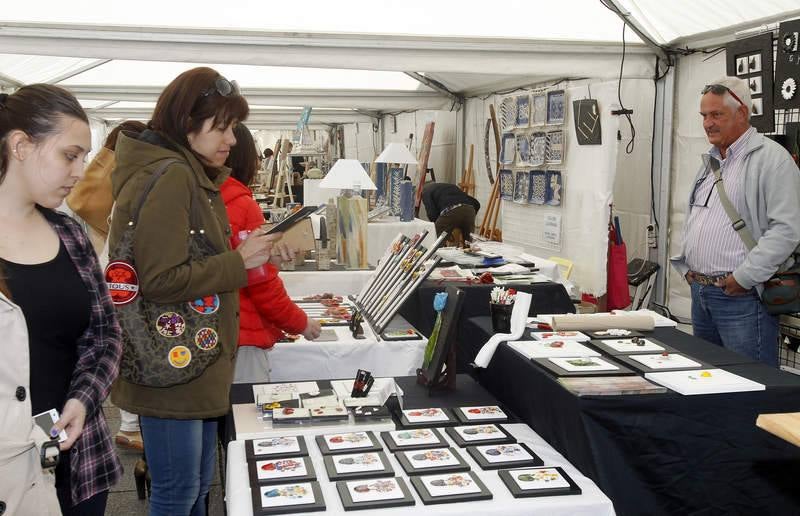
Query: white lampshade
x=347 y=174
x=396 y=153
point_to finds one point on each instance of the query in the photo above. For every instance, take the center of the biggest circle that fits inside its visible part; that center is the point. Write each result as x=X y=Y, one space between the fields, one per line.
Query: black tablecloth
x=663 y=453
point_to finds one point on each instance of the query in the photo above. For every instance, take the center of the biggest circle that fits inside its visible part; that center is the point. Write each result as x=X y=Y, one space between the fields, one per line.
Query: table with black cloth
x=660 y=453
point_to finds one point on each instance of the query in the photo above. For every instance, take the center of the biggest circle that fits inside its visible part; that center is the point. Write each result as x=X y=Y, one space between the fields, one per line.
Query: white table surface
x=592 y=501
x=308 y=283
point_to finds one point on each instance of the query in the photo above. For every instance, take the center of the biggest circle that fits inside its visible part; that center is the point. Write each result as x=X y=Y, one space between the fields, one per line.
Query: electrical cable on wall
x=629 y=147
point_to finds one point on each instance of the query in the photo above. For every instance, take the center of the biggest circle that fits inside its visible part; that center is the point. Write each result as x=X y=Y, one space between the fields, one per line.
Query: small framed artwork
x=755 y=85
x=613 y=333
x=582 y=366
x=434 y=460
x=415 y=439
x=538 y=149
x=374 y=494
x=633 y=345
x=523 y=110
x=539 y=109
x=508 y=113
x=371 y=413
x=287 y=498
x=506 y=178
x=357 y=465
x=521 y=185
x=329 y=414
x=555 y=107
x=509 y=149
x=757 y=107
x=554 y=190
x=552 y=348
x=275 y=471
x=401 y=334
x=480 y=414
x=476 y=435
x=753 y=63
x=275 y=447
x=502 y=456
x=664 y=361
x=450 y=488
x=347 y=442
x=555 y=147
x=537 y=191
x=741 y=66
x=528 y=482
x=560 y=335
x=426 y=417
x=523 y=148
x=290 y=416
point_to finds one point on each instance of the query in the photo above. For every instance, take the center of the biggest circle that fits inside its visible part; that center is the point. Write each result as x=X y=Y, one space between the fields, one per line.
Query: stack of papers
x=704 y=381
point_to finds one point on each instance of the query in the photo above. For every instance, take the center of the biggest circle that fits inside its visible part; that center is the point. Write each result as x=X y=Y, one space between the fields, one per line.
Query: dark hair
x=129 y=126
x=243 y=159
x=186 y=103
x=3 y=287
x=268 y=153
x=36 y=110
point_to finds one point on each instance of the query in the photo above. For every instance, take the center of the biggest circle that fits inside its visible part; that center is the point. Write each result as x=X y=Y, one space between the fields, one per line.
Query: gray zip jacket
x=772 y=198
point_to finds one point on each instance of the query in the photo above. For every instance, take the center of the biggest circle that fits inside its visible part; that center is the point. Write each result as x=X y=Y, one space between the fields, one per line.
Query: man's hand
x=72 y=419
x=731 y=287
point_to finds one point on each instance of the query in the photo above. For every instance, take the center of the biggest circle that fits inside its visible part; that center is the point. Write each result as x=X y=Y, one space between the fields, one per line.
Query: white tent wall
x=443 y=147
x=361 y=142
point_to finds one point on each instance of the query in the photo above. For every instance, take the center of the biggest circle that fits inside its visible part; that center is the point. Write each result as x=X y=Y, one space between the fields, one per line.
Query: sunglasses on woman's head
x=222 y=86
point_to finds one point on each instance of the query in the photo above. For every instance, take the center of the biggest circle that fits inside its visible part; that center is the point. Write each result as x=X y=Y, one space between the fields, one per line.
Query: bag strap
x=737 y=222
x=148 y=187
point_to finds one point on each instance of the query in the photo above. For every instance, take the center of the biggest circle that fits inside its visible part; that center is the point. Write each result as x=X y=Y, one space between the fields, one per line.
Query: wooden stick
x=422 y=168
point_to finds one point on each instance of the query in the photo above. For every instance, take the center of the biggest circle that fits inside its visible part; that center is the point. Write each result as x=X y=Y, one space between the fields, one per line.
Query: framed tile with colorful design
x=426 y=417
x=413 y=439
x=476 y=435
x=275 y=447
x=374 y=494
x=347 y=442
x=287 y=498
x=502 y=456
x=357 y=465
x=432 y=460
x=275 y=471
x=481 y=414
x=543 y=481
x=450 y=488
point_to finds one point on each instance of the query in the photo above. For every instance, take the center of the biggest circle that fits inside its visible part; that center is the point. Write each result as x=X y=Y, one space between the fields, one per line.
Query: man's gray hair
x=740 y=88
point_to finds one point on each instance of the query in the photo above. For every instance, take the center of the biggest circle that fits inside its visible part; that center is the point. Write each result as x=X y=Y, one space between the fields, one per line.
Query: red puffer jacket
x=265 y=308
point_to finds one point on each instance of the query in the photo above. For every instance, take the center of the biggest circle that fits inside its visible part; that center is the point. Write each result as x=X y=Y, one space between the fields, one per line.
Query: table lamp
x=394 y=156
x=349 y=176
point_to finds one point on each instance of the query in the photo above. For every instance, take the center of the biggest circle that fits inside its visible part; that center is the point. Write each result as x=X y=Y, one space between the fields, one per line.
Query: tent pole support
x=437 y=86
x=627 y=17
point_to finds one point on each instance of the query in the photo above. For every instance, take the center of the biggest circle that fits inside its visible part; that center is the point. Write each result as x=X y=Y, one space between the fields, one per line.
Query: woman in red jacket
x=265 y=308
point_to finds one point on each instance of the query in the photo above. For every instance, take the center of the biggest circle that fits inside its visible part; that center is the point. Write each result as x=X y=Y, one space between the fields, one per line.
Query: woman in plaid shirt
x=52 y=273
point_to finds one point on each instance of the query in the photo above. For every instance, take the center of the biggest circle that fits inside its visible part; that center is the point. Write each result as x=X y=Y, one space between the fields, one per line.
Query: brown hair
x=3 y=287
x=243 y=159
x=189 y=100
x=36 y=110
x=129 y=126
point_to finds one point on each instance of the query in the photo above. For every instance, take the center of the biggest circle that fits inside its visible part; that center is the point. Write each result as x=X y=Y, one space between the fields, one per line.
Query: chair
x=641 y=276
x=564 y=266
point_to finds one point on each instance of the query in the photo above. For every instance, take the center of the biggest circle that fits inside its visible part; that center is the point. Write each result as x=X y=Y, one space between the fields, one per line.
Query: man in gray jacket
x=763 y=185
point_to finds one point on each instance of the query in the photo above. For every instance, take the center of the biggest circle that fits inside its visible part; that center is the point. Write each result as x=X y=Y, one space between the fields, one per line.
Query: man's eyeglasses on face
x=222 y=86
x=719 y=89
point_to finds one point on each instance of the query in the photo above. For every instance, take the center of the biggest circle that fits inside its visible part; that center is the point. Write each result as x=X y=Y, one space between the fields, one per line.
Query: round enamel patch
x=206 y=339
x=205 y=305
x=122 y=281
x=170 y=324
x=179 y=357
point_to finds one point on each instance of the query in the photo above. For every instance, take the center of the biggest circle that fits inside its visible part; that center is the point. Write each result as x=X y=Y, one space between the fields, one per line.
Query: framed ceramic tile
x=544 y=481
x=555 y=147
x=371 y=413
x=476 y=435
x=521 y=185
x=633 y=345
x=582 y=366
x=401 y=334
x=357 y=465
x=552 y=348
x=287 y=498
x=502 y=456
x=426 y=417
x=756 y=108
x=276 y=471
x=508 y=149
x=555 y=107
x=560 y=335
x=290 y=416
x=506 y=178
x=347 y=442
x=614 y=333
x=374 y=494
x=538 y=187
x=329 y=414
x=508 y=113
x=554 y=190
x=538 y=149
x=413 y=439
x=434 y=460
x=754 y=83
x=480 y=414
x=523 y=110
x=523 y=148
x=275 y=447
x=450 y=488
x=538 y=109
x=665 y=361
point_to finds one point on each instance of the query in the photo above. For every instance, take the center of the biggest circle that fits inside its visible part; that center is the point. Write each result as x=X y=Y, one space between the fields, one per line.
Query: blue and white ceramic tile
x=538 y=187
x=508 y=113
x=555 y=147
x=538 y=149
x=523 y=110
x=506 y=178
x=539 y=109
x=554 y=191
x=523 y=149
x=521 y=186
x=509 y=149
x=555 y=107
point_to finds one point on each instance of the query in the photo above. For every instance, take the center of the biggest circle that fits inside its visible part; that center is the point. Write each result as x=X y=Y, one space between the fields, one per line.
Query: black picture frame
x=309 y=475
x=604 y=346
x=453 y=433
x=410 y=469
x=258 y=510
x=419 y=484
x=250 y=448
x=480 y=459
x=322 y=444
x=408 y=336
x=462 y=417
x=599 y=335
x=393 y=446
x=405 y=423
x=349 y=505
x=786 y=64
x=555 y=370
x=760 y=45
x=638 y=366
x=335 y=476
x=506 y=475
x=435 y=376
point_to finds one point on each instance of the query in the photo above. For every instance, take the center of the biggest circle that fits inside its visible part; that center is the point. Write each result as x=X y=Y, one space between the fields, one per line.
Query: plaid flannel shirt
x=94 y=464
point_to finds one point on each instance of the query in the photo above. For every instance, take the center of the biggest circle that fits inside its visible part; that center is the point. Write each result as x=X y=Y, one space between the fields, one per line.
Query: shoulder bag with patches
x=163 y=344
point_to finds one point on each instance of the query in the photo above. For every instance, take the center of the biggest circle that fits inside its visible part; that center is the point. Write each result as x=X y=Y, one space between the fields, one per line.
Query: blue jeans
x=181 y=454
x=738 y=323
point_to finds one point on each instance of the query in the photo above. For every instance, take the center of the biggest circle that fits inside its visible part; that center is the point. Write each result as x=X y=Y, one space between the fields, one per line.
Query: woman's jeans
x=181 y=454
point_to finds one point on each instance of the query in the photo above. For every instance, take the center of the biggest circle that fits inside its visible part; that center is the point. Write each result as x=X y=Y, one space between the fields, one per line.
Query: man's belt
x=704 y=279
x=451 y=208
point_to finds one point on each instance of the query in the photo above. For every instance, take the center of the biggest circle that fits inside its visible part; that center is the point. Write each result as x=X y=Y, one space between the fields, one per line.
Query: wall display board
x=751 y=59
x=787 y=66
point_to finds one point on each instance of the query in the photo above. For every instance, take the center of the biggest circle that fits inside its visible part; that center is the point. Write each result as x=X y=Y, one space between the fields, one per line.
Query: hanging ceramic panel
x=587 y=122
x=554 y=188
x=523 y=149
x=506 y=178
x=509 y=149
x=555 y=107
x=537 y=190
x=555 y=147
x=751 y=60
x=508 y=113
x=539 y=109
x=787 y=66
x=521 y=185
x=538 y=148
x=395 y=178
x=523 y=110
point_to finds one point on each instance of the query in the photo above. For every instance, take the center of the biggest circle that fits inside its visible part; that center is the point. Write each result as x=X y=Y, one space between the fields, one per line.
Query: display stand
x=441 y=371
